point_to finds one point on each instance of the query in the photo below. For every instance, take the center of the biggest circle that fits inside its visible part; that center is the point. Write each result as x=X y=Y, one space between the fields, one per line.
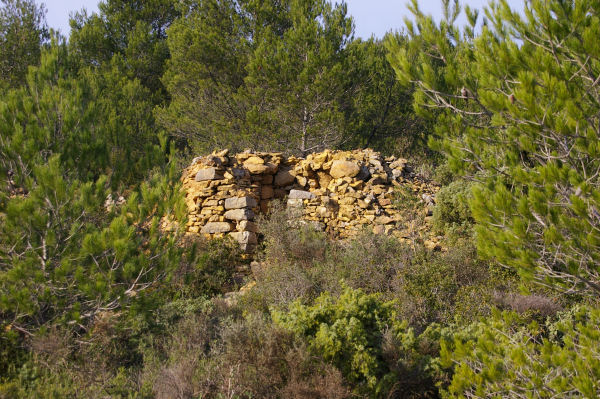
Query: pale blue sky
x=370 y=16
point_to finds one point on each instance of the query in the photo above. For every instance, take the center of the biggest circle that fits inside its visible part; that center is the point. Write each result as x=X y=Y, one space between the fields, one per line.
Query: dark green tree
x=23 y=31
x=135 y=30
x=295 y=83
x=378 y=108
x=517 y=107
x=210 y=46
x=97 y=124
x=258 y=74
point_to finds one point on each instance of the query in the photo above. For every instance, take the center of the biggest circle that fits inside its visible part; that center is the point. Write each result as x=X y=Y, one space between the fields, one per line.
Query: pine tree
x=134 y=30
x=295 y=84
x=210 y=45
x=258 y=74
x=516 y=107
x=23 y=31
x=378 y=108
x=98 y=123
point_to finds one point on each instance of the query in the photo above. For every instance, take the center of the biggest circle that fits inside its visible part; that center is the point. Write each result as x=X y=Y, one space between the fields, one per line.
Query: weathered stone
x=340 y=168
x=384 y=220
x=240 y=202
x=340 y=190
x=379 y=229
x=398 y=164
x=216 y=228
x=239 y=214
x=284 y=178
x=295 y=202
x=301 y=180
x=244 y=237
x=246 y=225
x=347 y=201
x=385 y=202
x=208 y=174
x=256 y=168
x=254 y=160
x=300 y=194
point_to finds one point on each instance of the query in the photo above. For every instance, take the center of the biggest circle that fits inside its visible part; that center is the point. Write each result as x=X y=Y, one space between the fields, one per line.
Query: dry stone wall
x=341 y=192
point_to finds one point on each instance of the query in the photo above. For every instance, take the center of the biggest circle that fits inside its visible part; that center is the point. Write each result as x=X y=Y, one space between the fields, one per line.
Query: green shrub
x=216 y=352
x=506 y=357
x=452 y=211
x=433 y=286
x=207 y=268
x=287 y=239
x=351 y=333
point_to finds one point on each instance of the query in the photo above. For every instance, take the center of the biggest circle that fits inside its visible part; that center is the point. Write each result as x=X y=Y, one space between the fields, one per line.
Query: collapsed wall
x=341 y=192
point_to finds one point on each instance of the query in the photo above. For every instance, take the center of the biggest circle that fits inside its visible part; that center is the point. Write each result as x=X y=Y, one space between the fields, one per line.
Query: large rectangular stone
x=239 y=214
x=240 y=202
x=301 y=194
x=244 y=237
x=208 y=174
x=216 y=228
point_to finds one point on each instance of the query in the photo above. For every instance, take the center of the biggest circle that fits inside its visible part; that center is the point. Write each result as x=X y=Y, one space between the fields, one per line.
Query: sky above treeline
x=371 y=17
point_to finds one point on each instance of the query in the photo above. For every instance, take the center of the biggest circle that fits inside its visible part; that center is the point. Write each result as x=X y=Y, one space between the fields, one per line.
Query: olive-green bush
x=452 y=211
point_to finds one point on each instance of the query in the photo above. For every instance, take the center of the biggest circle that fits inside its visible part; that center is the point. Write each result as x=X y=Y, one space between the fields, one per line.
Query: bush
x=430 y=286
x=445 y=286
x=216 y=352
x=505 y=357
x=287 y=239
x=207 y=268
x=452 y=211
x=354 y=333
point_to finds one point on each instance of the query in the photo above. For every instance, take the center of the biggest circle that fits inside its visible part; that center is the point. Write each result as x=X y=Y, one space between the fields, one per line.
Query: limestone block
x=398 y=164
x=254 y=160
x=255 y=168
x=210 y=202
x=301 y=194
x=216 y=228
x=240 y=202
x=385 y=202
x=244 y=237
x=208 y=174
x=384 y=220
x=294 y=202
x=301 y=180
x=239 y=214
x=246 y=225
x=324 y=179
x=379 y=229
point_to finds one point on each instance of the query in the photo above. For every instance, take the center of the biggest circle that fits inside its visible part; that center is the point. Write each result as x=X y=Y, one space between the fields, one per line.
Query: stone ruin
x=340 y=192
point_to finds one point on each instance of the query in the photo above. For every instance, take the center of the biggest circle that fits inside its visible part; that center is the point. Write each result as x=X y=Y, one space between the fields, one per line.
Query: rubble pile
x=340 y=192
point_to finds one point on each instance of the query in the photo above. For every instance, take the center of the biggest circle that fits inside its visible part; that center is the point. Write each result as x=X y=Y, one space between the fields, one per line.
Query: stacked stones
x=338 y=191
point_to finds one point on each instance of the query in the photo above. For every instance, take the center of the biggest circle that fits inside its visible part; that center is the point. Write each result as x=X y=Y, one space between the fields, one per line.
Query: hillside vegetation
x=104 y=293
